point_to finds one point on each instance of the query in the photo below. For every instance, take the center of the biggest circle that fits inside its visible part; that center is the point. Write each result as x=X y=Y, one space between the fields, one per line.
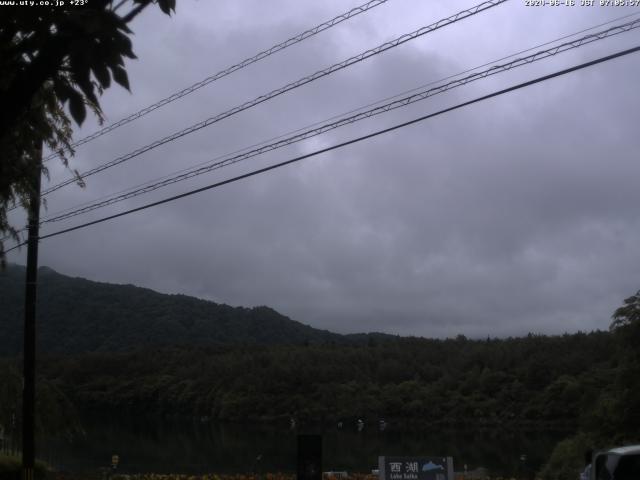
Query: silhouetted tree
x=49 y=58
x=629 y=313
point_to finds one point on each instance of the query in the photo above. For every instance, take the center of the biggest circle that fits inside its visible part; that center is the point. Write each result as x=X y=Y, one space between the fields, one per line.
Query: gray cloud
x=517 y=215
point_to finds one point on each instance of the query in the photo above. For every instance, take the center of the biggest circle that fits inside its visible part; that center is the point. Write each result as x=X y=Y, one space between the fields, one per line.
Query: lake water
x=192 y=447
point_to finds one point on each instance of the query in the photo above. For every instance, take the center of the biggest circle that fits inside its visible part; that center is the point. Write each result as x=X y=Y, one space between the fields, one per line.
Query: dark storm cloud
x=512 y=216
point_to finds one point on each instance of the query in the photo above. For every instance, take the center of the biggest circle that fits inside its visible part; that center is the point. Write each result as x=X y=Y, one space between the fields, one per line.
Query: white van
x=621 y=463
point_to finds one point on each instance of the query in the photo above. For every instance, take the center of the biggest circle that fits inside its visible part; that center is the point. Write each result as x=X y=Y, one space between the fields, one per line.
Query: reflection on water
x=175 y=446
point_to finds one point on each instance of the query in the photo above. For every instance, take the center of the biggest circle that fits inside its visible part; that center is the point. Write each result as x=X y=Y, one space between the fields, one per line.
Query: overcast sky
x=516 y=215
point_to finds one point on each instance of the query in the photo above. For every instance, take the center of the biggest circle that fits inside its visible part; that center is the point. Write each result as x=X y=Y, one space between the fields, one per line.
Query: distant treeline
x=589 y=383
x=534 y=381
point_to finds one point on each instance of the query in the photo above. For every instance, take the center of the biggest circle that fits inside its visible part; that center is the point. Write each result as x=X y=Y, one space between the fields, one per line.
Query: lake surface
x=145 y=445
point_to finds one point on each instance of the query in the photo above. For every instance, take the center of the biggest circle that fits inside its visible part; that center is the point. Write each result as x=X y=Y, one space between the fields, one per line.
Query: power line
x=344 y=144
x=403 y=102
x=234 y=68
x=334 y=117
x=298 y=83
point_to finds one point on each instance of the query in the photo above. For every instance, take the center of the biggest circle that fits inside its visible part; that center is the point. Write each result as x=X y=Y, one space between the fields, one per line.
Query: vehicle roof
x=628 y=450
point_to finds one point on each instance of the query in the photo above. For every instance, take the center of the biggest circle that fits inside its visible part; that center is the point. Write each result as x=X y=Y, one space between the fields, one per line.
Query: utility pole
x=29 y=351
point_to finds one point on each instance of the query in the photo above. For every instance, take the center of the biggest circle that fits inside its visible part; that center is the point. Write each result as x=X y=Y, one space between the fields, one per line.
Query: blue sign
x=415 y=468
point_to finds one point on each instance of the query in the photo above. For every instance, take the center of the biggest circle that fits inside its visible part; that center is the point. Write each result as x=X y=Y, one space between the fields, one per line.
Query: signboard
x=415 y=468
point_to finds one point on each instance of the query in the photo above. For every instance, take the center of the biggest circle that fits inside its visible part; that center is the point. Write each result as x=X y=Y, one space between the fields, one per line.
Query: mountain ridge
x=76 y=315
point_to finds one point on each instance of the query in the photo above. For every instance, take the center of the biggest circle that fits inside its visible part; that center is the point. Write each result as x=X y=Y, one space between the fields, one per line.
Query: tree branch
x=122 y=2
x=134 y=13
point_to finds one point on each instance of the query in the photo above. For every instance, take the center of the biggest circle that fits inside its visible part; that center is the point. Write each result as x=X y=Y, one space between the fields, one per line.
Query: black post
x=309 y=457
x=29 y=352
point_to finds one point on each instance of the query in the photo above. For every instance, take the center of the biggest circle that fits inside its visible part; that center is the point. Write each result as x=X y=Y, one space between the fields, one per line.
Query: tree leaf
x=102 y=74
x=83 y=80
x=79 y=180
x=77 y=107
x=123 y=43
x=167 y=6
x=61 y=89
x=120 y=76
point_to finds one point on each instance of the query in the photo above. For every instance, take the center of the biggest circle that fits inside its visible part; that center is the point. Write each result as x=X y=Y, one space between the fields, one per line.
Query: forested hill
x=535 y=381
x=77 y=315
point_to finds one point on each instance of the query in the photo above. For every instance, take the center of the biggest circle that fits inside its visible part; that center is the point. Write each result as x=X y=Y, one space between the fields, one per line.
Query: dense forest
x=536 y=381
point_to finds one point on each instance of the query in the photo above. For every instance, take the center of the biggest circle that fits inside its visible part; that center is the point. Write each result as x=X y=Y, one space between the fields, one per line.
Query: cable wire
x=228 y=71
x=403 y=102
x=343 y=144
x=334 y=117
x=298 y=83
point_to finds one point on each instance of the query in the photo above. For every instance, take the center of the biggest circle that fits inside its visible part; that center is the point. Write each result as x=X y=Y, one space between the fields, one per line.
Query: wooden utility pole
x=29 y=351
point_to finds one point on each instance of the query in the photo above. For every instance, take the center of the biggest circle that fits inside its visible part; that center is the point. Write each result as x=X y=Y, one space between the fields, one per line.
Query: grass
x=11 y=465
